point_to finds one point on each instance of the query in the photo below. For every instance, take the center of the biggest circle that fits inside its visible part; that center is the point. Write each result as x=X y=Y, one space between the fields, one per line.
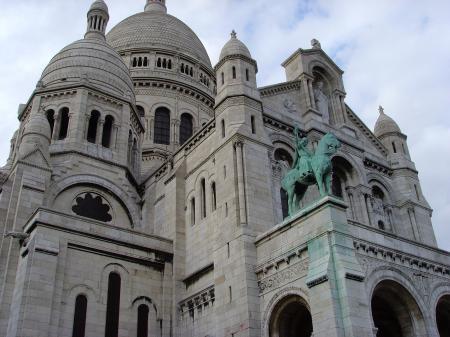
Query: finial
x=381 y=110
x=156 y=6
x=233 y=34
x=315 y=44
x=97 y=19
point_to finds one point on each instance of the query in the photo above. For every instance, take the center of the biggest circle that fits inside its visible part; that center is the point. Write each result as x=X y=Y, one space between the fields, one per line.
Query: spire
x=97 y=19
x=381 y=110
x=156 y=6
x=233 y=34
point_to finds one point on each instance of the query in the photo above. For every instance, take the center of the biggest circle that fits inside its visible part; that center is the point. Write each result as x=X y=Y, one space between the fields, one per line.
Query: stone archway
x=291 y=318
x=395 y=313
x=443 y=316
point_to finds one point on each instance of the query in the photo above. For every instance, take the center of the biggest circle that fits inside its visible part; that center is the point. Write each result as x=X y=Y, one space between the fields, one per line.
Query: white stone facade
x=142 y=197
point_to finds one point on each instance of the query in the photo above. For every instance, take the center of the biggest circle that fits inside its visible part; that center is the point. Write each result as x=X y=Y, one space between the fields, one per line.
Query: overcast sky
x=394 y=53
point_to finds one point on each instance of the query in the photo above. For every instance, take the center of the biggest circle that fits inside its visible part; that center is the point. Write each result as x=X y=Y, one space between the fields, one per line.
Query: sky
x=394 y=52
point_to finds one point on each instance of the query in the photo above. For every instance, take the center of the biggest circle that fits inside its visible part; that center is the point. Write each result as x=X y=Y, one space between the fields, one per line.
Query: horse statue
x=309 y=169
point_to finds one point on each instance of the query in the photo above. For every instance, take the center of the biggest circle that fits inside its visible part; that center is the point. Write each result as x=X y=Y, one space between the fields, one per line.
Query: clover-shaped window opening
x=91 y=206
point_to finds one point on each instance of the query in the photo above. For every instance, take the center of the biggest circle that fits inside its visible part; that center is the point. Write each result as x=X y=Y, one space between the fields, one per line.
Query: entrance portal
x=443 y=316
x=291 y=318
x=395 y=313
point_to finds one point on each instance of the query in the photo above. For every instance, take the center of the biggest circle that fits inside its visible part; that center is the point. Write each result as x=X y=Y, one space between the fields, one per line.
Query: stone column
x=57 y=125
x=306 y=91
x=369 y=209
x=363 y=208
x=114 y=133
x=238 y=145
x=99 y=136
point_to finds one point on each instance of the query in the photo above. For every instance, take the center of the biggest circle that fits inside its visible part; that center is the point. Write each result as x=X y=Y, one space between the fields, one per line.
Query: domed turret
x=156 y=6
x=234 y=47
x=236 y=71
x=389 y=133
x=36 y=134
x=385 y=124
x=90 y=61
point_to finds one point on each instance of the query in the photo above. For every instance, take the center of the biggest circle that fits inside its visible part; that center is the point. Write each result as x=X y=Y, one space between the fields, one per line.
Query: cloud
x=394 y=53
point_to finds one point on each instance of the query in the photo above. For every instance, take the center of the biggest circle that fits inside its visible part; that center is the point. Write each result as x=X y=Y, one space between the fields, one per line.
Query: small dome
x=157 y=30
x=90 y=61
x=234 y=47
x=99 y=5
x=385 y=124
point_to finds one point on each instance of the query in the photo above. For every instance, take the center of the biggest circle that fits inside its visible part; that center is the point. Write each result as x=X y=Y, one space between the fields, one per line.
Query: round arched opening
x=291 y=318
x=443 y=316
x=395 y=313
x=283 y=155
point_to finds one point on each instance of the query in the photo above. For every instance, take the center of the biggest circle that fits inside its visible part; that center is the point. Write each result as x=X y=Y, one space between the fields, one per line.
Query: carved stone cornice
x=377 y=166
x=280 y=88
x=195 y=304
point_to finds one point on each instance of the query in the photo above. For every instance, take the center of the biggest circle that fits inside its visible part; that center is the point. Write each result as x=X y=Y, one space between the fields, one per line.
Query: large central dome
x=156 y=29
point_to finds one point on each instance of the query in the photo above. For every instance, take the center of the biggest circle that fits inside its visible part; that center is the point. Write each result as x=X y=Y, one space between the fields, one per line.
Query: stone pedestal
x=339 y=304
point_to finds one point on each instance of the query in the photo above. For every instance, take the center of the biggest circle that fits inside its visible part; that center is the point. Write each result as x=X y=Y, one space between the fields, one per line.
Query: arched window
x=381 y=225
x=192 y=211
x=79 y=317
x=169 y=64
x=284 y=203
x=134 y=62
x=182 y=68
x=203 y=197
x=283 y=156
x=191 y=72
x=107 y=131
x=92 y=128
x=234 y=72
x=145 y=61
x=64 y=125
x=213 y=197
x=164 y=63
x=140 y=62
x=140 y=111
x=162 y=126
x=186 y=128
x=50 y=114
x=158 y=63
x=113 y=306
x=142 y=321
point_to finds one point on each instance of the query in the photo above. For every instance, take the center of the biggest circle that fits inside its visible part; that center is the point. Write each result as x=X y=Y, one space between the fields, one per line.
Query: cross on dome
x=156 y=6
x=381 y=110
x=233 y=34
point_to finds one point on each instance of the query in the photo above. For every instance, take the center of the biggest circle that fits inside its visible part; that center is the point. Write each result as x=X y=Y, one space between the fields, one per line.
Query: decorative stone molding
x=289 y=274
x=197 y=303
x=277 y=124
x=371 y=255
x=280 y=88
x=317 y=281
x=377 y=166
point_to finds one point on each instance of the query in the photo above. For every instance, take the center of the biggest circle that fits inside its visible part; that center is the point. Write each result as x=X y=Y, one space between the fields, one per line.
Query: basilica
x=143 y=197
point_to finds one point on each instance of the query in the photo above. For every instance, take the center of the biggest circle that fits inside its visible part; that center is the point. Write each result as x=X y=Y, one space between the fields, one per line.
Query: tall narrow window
x=247 y=75
x=164 y=63
x=107 y=131
x=169 y=64
x=79 y=318
x=134 y=62
x=64 y=126
x=142 y=322
x=394 y=148
x=130 y=144
x=223 y=78
x=213 y=197
x=284 y=203
x=253 y=124
x=158 y=63
x=92 y=128
x=186 y=128
x=162 y=126
x=234 y=72
x=113 y=306
x=191 y=72
x=50 y=114
x=192 y=211
x=140 y=62
x=145 y=61
x=134 y=158
x=203 y=197
x=223 y=128
x=417 y=192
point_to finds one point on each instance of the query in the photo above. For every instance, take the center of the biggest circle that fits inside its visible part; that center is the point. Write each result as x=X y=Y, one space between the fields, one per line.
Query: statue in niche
x=308 y=169
x=321 y=100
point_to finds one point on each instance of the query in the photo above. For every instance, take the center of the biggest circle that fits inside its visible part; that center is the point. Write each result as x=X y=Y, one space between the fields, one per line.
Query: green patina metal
x=309 y=168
